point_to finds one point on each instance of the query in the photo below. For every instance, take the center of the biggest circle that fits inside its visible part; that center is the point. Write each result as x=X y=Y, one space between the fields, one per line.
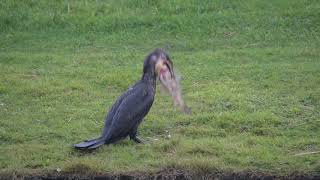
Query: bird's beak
x=164 y=66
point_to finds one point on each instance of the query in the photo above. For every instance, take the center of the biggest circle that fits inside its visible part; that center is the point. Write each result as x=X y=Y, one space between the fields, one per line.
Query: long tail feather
x=96 y=145
x=90 y=144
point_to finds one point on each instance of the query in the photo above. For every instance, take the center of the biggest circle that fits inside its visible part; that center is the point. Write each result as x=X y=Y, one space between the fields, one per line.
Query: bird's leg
x=133 y=135
x=137 y=140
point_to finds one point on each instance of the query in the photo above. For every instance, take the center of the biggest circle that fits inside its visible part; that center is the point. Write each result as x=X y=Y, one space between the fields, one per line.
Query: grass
x=250 y=74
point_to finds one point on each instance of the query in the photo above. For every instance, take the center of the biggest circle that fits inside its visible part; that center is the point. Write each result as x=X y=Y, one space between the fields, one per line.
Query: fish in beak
x=164 y=69
x=170 y=83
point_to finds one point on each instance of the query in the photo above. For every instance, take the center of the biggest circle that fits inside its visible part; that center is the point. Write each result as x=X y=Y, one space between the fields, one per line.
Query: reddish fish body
x=171 y=85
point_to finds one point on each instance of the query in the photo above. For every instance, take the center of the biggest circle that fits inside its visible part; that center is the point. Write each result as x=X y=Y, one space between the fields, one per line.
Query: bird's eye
x=153 y=58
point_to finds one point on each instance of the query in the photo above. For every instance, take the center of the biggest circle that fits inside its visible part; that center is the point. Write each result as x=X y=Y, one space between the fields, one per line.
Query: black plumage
x=132 y=106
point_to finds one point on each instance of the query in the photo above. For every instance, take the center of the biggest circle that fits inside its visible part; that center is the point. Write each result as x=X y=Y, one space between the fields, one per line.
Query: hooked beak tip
x=170 y=68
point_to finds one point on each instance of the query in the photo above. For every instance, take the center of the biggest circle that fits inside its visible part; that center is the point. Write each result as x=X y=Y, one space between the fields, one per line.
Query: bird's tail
x=90 y=144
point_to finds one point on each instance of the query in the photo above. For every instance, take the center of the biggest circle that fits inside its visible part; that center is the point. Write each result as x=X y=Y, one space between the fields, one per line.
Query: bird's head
x=158 y=62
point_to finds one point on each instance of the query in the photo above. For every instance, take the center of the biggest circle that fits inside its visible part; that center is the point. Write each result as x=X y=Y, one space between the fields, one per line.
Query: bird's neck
x=149 y=78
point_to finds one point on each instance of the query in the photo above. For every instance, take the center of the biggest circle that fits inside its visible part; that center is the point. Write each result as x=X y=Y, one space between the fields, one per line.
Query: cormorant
x=133 y=105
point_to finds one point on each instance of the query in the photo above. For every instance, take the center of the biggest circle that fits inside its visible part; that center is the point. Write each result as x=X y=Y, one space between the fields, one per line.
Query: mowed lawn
x=250 y=73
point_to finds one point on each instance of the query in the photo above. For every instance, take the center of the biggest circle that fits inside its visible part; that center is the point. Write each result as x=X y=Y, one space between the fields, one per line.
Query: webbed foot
x=137 y=140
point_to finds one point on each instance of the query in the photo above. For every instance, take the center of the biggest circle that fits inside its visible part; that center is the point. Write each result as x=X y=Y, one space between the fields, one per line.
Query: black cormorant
x=133 y=105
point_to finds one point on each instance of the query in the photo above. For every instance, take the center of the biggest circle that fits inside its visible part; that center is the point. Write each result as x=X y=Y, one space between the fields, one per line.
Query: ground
x=250 y=73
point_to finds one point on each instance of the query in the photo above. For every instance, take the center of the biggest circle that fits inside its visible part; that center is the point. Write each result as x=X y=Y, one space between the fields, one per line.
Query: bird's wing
x=113 y=110
x=130 y=111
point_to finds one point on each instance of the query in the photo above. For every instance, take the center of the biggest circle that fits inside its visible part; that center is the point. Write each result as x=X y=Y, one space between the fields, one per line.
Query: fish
x=170 y=84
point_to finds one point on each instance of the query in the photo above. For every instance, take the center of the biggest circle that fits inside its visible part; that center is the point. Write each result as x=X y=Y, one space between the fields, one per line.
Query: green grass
x=251 y=74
